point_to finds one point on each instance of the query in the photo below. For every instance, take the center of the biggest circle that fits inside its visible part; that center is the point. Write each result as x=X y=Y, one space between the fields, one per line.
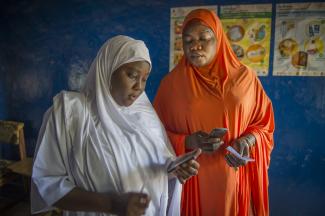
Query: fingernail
x=142 y=200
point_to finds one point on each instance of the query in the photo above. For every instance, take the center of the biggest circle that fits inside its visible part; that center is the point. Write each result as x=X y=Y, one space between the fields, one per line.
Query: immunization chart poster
x=248 y=29
x=177 y=16
x=299 y=40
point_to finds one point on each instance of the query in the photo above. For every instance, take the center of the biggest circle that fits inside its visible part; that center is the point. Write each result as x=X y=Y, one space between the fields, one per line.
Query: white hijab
x=135 y=133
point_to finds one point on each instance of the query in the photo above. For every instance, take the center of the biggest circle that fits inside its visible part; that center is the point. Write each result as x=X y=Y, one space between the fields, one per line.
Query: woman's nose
x=196 y=45
x=139 y=85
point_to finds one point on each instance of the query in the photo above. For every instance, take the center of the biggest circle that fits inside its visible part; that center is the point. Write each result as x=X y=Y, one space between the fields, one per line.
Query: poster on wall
x=177 y=15
x=248 y=29
x=299 y=39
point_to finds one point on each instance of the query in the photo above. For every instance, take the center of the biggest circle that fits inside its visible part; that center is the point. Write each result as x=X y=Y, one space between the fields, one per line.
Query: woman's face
x=199 y=44
x=129 y=81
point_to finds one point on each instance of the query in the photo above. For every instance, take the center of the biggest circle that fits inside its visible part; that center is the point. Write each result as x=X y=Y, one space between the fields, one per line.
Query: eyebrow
x=203 y=31
x=136 y=70
x=207 y=30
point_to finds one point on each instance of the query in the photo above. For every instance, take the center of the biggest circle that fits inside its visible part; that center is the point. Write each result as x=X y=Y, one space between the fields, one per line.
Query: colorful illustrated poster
x=177 y=16
x=299 y=40
x=248 y=29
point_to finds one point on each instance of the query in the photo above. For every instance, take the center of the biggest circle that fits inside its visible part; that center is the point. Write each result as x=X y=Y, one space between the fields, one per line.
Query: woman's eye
x=205 y=38
x=132 y=76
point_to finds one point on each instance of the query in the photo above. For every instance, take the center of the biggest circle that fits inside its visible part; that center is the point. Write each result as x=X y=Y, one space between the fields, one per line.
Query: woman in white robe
x=104 y=151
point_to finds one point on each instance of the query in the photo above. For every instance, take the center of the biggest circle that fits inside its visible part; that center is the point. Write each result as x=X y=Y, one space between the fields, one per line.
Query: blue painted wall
x=3 y=101
x=3 y=104
x=47 y=46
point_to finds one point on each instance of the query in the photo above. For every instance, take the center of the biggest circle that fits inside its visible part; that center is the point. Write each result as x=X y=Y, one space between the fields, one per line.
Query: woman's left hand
x=186 y=170
x=242 y=145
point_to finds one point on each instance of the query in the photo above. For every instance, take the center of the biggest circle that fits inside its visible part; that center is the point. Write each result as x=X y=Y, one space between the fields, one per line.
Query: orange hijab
x=225 y=61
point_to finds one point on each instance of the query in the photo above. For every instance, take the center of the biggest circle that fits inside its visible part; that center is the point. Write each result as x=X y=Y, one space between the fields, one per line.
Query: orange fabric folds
x=226 y=94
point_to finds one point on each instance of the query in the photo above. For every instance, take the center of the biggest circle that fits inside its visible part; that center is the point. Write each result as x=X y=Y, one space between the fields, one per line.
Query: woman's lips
x=196 y=55
x=133 y=97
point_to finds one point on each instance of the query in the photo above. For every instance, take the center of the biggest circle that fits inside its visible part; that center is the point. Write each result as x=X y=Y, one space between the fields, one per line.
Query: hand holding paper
x=185 y=166
x=183 y=159
x=233 y=151
x=239 y=151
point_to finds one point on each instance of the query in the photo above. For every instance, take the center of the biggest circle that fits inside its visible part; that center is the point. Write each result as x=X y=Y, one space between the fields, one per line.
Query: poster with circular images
x=177 y=16
x=248 y=29
x=299 y=40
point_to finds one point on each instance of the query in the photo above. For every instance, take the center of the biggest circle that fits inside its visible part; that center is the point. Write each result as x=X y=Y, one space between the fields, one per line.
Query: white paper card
x=234 y=152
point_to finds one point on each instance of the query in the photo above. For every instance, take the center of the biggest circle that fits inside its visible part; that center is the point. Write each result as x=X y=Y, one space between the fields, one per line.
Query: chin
x=127 y=103
x=198 y=64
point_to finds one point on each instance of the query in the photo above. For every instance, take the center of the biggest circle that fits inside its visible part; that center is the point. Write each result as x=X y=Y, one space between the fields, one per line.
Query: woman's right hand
x=130 y=204
x=203 y=141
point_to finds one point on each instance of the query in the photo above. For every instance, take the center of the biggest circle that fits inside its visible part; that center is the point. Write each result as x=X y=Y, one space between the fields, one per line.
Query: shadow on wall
x=77 y=73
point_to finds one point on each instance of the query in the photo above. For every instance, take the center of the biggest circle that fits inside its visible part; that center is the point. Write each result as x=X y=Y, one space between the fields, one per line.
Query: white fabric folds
x=88 y=141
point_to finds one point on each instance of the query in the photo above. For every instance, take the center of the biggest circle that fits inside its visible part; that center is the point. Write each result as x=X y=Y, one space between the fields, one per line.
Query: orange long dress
x=226 y=94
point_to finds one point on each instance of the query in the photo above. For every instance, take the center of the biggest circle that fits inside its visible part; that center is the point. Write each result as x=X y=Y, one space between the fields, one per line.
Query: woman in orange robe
x=209 y=89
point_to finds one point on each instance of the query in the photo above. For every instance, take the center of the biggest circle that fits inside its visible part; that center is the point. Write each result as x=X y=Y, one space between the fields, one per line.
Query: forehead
x=196 y=27
x=137 y=66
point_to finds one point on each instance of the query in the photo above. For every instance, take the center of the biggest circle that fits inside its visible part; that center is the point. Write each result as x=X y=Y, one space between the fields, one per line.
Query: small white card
x=233 y=151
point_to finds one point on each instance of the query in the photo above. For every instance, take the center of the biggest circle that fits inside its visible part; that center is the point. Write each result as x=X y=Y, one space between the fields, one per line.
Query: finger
x=236 y=145
x=135 y=210
x=210 y=147
x=246 y=151
x=214 y=140
x=207 y=146
x=139 y=211
x=142 y=200
x=191 y=167
x=217 y=145
x=210 y=140
x=186 y=171
x=235 y=161
x=241 y=147
x=202 y=134
x=197 y=153
x=207 y=149
x=180 y=173
x=214 y=146
x=194 y=164
x=148 y=201
x=190 y=171
x=181 y=180
x=239 y=162
x=228 y=160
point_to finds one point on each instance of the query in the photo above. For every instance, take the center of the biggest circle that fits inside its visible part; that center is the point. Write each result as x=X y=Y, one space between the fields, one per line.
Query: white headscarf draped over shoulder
x=135 y=133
